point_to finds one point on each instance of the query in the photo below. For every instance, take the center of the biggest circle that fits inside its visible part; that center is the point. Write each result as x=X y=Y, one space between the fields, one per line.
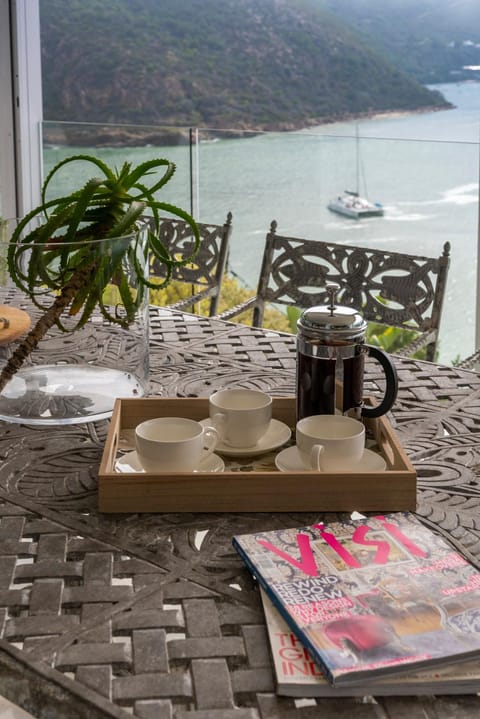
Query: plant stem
x=46 y=321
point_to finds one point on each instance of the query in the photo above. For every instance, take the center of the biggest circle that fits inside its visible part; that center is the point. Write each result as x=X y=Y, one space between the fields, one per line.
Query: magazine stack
x=371 y=605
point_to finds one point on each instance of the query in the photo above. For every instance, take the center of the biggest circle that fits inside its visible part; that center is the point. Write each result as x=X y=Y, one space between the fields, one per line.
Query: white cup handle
x=211 y=439
x=315 y=456
x=219 y=421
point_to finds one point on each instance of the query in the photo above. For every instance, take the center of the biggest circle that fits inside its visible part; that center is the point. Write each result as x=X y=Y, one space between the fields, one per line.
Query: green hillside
x=431 y=40
x=251 y=64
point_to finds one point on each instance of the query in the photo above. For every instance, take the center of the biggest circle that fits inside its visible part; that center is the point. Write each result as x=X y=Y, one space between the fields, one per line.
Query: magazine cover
x=298 y=675
x=369 y=597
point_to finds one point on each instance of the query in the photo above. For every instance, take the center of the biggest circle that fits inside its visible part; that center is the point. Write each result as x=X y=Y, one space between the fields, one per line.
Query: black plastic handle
x=392 y=383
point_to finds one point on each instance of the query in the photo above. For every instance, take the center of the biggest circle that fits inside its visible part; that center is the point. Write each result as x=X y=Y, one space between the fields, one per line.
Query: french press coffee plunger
x=330 y=360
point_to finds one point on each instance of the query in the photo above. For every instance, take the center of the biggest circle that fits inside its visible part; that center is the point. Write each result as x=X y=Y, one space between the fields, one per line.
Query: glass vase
x=74 y=374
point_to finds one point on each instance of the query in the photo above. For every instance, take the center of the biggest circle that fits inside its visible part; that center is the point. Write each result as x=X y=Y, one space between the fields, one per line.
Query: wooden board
x=262 y=491
x=13 y=323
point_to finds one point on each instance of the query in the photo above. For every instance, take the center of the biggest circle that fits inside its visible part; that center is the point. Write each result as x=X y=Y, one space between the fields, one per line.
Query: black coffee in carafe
x=331 y=354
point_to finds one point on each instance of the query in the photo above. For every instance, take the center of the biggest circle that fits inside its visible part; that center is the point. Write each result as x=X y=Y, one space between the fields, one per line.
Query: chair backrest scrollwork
x=205 y=273
x=391 y=288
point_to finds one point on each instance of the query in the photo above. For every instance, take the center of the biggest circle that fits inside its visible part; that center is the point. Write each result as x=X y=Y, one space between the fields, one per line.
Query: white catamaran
x=351 y=203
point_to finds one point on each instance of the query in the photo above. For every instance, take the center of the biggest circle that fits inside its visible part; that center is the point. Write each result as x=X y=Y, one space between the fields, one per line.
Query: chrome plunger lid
x=332 y=323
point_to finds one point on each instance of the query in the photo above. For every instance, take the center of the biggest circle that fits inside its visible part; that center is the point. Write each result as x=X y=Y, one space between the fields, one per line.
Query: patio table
x=155 y=615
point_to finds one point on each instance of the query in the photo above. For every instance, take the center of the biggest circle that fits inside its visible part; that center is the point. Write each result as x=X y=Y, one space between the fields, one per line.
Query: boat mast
x=357 y=151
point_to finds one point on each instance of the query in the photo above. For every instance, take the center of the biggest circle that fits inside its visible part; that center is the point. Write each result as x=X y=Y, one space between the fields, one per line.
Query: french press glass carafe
x=331 y=354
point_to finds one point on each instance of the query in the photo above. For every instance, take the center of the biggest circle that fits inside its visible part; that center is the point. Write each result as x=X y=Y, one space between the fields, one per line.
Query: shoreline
x=64 y=134
x=368 y=115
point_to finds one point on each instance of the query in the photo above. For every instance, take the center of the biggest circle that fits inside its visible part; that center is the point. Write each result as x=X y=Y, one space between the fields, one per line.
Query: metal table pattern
x=155 y=616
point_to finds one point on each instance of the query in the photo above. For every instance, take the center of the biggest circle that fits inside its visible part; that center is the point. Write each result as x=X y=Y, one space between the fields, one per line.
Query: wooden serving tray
x=257 y=490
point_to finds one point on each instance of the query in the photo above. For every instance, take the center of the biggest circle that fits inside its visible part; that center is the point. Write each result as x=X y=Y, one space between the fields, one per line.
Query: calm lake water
x=424 y=169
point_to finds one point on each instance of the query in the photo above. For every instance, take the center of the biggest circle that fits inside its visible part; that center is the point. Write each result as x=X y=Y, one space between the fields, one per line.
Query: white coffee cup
x=242 y=416
x=173 y=444
x=330 y=442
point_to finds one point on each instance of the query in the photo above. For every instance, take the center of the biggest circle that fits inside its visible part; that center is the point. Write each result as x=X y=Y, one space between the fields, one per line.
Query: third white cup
x=330 y=443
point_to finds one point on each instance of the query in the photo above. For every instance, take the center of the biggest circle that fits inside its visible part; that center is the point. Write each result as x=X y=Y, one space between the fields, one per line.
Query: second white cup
x=173 y=444
x=330 y=442
x=242 y=416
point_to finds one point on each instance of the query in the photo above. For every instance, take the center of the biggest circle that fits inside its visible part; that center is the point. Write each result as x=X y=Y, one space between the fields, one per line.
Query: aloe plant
x=58 y=260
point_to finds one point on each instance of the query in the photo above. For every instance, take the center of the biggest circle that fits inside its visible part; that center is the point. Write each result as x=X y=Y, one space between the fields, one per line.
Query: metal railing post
x=194 y=173
x=477 y=304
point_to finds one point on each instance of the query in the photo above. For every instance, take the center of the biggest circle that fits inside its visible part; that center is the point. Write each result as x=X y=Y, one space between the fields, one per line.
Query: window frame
x=21 y=117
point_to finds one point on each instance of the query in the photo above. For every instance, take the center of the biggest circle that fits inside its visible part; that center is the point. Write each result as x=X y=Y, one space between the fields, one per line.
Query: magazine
x=370 y=597
x=297 y=675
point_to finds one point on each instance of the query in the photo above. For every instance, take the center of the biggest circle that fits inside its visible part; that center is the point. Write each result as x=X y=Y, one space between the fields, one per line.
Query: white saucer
x=289 y=461
x=277 y=434
x=129 y=463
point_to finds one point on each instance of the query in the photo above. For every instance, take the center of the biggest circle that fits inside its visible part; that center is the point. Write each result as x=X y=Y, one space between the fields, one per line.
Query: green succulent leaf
x=53 y=247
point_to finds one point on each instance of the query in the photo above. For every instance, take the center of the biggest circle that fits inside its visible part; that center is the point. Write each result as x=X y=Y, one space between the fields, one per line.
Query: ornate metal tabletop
x=154 y=615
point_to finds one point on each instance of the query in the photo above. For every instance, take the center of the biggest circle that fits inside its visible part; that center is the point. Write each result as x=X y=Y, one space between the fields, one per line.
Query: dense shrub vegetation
x=243 y=64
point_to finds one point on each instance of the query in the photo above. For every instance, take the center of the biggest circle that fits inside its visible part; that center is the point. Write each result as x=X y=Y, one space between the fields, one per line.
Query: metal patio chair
x=205 y=273
x=389 y=288
x=471 y=362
